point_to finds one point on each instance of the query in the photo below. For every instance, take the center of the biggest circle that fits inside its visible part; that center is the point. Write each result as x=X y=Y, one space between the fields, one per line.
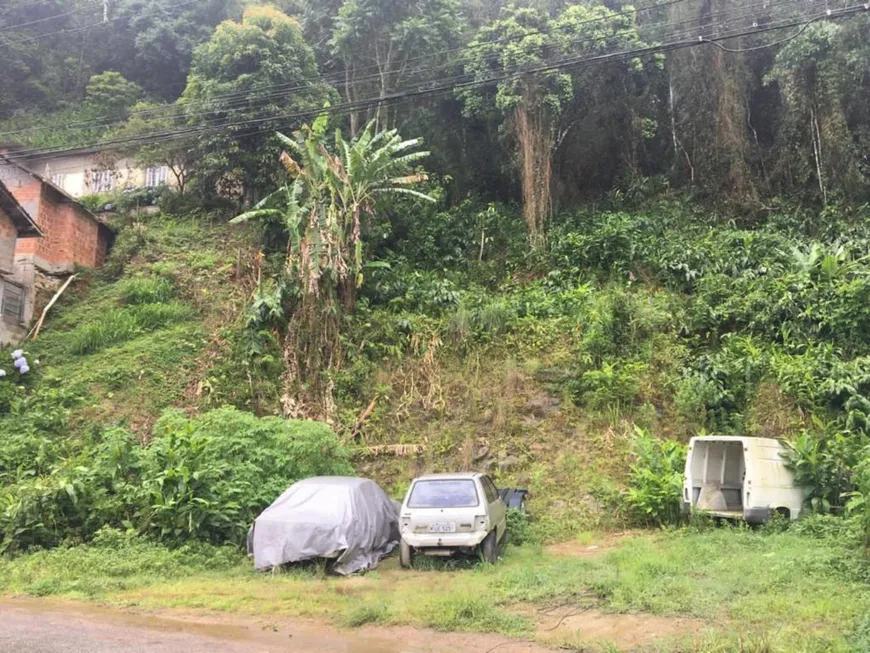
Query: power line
x=86 y=27
x=240 y=99
x=47 y=18
x=791 y=37
x=172 y=135
x=338 y=77
x=412 y=94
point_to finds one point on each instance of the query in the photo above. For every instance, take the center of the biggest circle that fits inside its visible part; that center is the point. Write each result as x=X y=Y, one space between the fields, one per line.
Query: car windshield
x=459 y=493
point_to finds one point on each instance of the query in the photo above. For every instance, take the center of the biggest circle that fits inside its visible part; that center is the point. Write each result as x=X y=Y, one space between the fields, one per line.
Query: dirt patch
x=42 y=624
x=590 y=547
x=578 y=626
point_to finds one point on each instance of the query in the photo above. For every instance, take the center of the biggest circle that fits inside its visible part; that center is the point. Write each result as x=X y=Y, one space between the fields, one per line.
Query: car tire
x=489 y=547
x=406 y=556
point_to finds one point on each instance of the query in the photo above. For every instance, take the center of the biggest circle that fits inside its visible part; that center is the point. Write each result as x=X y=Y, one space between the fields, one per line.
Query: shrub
x=203 y=478
x=517 y=527
x=208 y=477
x=655 y=484
x=614 y=385
x=858 y=506
x=823 y=460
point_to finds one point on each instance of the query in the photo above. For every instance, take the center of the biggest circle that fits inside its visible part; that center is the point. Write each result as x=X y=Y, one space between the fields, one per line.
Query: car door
x=497 y=507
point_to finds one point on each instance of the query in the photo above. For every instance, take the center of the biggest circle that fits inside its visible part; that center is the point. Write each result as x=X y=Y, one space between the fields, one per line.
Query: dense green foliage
x=767 y=115
x=202 y=478
x=655 y=490
x=249 y=59
x=663 y=244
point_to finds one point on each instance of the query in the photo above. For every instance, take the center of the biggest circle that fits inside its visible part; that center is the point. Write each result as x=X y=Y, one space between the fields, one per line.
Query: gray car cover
x=350 y=519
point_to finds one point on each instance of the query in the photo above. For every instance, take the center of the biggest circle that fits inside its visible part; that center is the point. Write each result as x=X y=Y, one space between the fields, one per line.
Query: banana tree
x=322 y=208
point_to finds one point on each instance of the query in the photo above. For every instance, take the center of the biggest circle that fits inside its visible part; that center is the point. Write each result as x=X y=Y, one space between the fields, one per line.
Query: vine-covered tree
x=533 y=102
x=816 y=76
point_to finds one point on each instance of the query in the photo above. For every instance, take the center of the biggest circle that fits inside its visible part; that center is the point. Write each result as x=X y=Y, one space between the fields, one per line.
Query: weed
x=467 y=612
x=655 y=486
x=365 y=613
x=518 y=531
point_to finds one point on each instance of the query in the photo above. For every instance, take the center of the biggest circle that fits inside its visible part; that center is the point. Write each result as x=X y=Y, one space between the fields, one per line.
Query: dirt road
x=39 y=626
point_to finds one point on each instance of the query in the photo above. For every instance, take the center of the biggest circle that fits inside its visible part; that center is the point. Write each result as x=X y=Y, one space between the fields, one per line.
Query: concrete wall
x=77 y=174
x=8 y=237
x=12 y=329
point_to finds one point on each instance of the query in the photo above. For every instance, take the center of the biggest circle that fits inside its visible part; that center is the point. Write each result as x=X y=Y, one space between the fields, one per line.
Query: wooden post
x=35 y=331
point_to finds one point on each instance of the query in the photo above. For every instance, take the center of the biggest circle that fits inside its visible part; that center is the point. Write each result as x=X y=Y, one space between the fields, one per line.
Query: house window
x=156 y=176
x=12 y=306
x=58 y=179
x=102 y=181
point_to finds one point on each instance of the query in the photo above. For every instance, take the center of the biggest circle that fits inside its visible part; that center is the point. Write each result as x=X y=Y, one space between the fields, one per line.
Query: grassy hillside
x=547 y=368
x=138 y=336
x=145 y=438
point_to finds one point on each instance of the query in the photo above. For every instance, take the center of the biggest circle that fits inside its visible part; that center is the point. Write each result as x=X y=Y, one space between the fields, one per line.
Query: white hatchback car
x=445 y=514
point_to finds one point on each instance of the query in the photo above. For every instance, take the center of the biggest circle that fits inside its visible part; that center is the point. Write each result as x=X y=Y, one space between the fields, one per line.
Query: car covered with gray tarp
x=350 y=520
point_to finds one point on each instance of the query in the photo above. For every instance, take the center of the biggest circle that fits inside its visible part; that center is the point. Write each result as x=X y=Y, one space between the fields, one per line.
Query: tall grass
x=146 y=290
x=123 y=324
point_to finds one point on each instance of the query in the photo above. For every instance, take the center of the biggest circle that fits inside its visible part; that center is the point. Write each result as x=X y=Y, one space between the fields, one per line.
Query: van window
x=456 y=493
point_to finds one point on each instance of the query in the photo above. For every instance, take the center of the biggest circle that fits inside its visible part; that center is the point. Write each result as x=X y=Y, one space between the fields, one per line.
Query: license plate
x=442 y=527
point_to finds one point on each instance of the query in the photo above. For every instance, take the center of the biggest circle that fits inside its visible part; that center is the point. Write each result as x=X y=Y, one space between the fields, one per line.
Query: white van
x=740 y=478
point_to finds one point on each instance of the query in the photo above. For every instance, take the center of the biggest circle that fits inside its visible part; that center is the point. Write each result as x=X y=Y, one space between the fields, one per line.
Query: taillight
x=480 y=522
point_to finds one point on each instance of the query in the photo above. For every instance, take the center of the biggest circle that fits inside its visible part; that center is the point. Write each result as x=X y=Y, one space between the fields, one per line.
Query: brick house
x=71 y=235
x=15 y=225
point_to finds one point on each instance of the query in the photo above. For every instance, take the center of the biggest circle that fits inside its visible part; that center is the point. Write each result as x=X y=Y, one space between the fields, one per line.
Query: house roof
x=24 y=224
x=4 y=158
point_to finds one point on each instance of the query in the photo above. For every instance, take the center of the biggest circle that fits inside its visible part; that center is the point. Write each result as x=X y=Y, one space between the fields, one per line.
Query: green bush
x=518 y=527
x=208 y=477
x=824 y=460
x=614 y=385
x=655 y=484
x=204 y=478
x=858 y=506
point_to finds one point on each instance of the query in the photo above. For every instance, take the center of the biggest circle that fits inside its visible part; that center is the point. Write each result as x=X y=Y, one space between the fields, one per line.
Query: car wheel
x=489 y=547
x=406 y=556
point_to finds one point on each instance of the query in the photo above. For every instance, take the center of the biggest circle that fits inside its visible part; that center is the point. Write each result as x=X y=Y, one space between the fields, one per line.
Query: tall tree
x=816 y=76
x=249 y=80
x=384 y=44
x=534 y=108
x=152 y=43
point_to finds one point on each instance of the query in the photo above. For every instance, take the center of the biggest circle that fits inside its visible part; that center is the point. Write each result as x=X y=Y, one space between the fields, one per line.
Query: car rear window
x=461 y=493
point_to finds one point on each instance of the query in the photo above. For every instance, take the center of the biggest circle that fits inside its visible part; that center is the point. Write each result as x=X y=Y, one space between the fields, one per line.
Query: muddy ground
x=38 y=626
